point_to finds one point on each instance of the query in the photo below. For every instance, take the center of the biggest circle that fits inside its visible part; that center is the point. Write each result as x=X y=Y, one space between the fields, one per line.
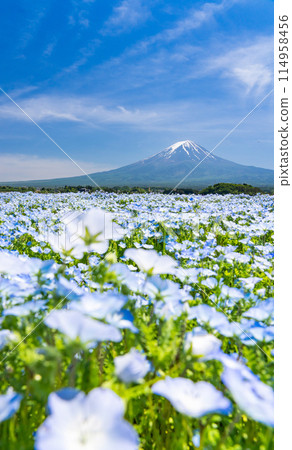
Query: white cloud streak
x=83 y=111
x=76 y=109
x=126 y=16
x=193 y=19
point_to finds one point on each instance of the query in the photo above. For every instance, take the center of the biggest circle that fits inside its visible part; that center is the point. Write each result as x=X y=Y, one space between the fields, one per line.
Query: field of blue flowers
x=140 y=321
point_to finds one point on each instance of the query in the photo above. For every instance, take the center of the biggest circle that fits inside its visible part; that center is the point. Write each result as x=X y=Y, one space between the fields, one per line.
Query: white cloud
x=75 y=109
x=250 y=65
x=141 y=64
x=80 y=14
x=21 y=167
x=18 y=92
x=85 y=54
x=178 y=115
x=193 y=19
x=50 y=48
x=127 y=15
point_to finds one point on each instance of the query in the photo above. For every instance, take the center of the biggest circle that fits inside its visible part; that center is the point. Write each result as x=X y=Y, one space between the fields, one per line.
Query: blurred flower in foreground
x=122 y=319
x=207 y=314
x=203 y=344
x=9 y=404
x=99 y=305
x=5 y=337
x=196 y=438
x=75 y=325
x=25 y=309
x=151 y=262
x=262 y=311
x=252 y=395
x=166 y=290
x=13 y=264
x=192 y=399
x=77 y=421
x=131 y=367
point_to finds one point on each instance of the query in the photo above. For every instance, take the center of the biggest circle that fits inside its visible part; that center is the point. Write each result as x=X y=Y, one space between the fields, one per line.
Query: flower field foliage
x=140 y=321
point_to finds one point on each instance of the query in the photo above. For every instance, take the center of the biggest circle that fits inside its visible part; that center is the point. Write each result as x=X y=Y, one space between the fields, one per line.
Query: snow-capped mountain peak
x=186 y=149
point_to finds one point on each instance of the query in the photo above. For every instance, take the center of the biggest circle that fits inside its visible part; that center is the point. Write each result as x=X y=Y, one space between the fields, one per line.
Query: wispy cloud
x=163 y=56
x=76 y=109
x=193 y=19
x=80 y=13
x=181 y=117
x=50 y=48
x=85 y=54
x=250 y=65
x=159 y=68
x=31 y=27
x=24 y=90
x=21 y=167
x=188 y=118
x=126 y=16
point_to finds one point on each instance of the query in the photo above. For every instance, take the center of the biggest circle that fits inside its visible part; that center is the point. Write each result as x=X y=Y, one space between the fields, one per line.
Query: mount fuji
x=184 y=163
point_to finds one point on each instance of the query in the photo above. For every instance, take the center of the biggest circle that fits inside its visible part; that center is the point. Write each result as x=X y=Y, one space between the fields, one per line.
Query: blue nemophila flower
x=99 y=305
x=262 y=311
x=9 y=404
x=202 y=343
x=206 y=272
x=131 y=367
x=196 y=438
x=165 y=290
x=187 y=275
x=229 y=329
x=261 y=292
x=76 y=325
x=255 y=330
x=250 y=282
x=261 y=263
x=207 y=314
x=211 y=283
x=68 y=289
x=134 y=281
x=5 y=337
x=86 y=422
x=26 y=308
x=12 y=264
x=122 y=319
x=151 y=262
x=192 y=399
x=148 y=246
x=36 y=249
x=252 y=395
x=231 y=292
x=238 y=257
x=171 y=308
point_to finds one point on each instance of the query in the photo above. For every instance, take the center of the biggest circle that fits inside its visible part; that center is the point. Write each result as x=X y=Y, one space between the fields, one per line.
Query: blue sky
x=113 y=82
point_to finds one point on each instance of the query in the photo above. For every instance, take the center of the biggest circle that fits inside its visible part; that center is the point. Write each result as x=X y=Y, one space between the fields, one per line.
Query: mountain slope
x=167 y=168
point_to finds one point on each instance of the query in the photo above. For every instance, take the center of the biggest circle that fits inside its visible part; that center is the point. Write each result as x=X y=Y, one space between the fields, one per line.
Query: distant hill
x=166 y=169
x=231 y=188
